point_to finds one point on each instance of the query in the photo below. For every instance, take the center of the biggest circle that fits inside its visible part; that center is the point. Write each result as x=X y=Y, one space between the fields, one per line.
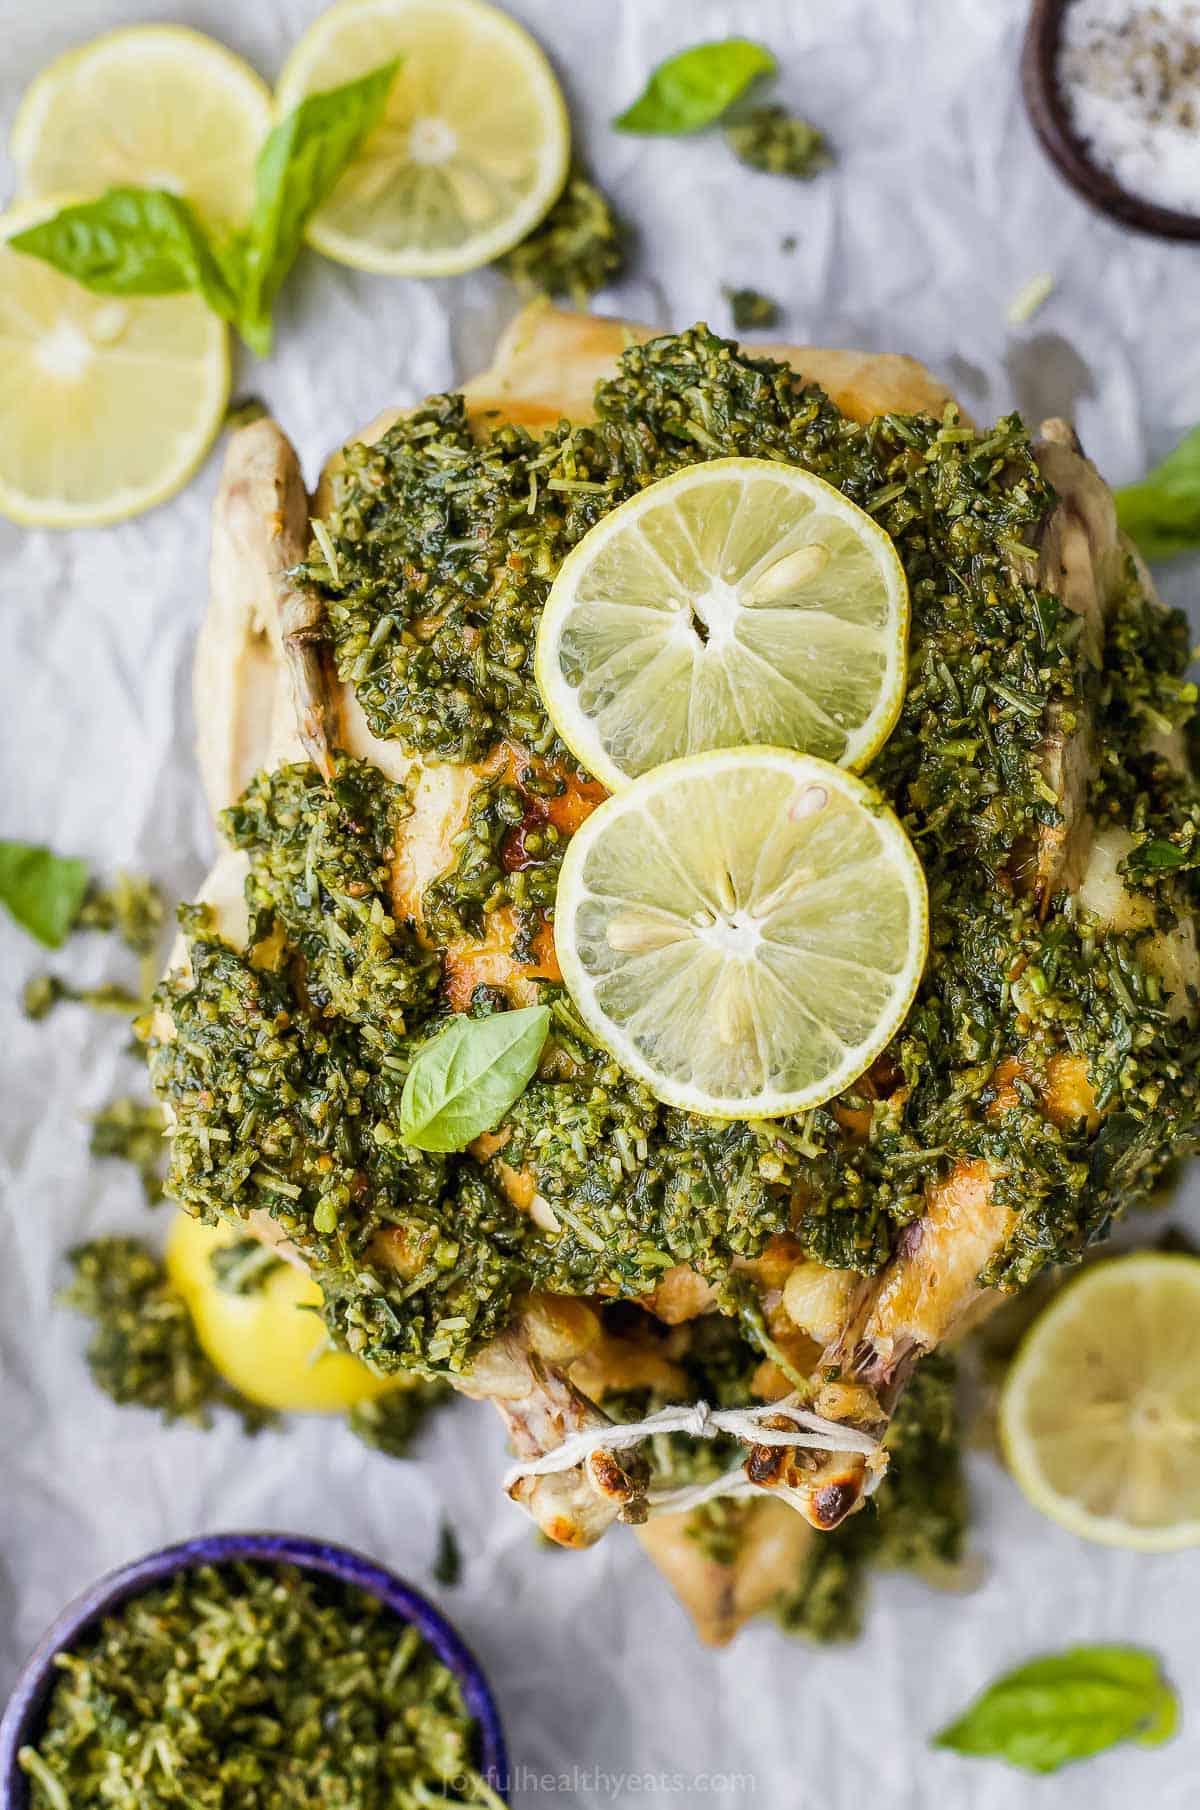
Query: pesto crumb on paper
x=751 y=309
x=780 y=143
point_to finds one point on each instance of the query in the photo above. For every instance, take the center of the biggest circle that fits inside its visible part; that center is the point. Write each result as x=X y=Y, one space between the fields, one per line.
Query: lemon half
x=471 y=151
x=269 y=1342
x=1100 y=1413
x=736 y=601
x=743 y=930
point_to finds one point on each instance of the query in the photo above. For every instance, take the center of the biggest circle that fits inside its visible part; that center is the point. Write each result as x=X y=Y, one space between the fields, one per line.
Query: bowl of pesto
x=247 y=1670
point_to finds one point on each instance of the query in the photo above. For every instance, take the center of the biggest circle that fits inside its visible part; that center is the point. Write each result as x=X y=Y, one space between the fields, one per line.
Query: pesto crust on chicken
x=395 y=806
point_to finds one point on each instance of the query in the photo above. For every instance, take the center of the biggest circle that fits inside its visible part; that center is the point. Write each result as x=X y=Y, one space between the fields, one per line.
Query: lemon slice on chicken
x=736 y=601
x=107 y=404
x=472 y=148
x=743 y=930
x=1100 y=1415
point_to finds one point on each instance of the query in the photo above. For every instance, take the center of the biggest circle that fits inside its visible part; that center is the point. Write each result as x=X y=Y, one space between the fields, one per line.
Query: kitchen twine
x=702 y=1421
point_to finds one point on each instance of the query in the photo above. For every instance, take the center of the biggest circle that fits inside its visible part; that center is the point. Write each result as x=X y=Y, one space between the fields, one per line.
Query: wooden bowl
x=1051 y=120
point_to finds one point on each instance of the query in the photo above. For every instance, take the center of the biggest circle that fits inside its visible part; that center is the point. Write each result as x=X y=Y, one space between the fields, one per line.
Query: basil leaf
x=131 y=242
x=1162 y=513
x=693 y=89
x=296 y=171
x=1068 y=1707
x=42 y=890
x=1157 y=857
x=465 y=1079
x=135 y=241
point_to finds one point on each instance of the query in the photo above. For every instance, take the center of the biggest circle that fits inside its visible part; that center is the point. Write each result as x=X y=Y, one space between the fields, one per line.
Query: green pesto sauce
x=144 y=1351
x=579 y=247
x=772 y=139
x=254 y=1687
x=286 y=1075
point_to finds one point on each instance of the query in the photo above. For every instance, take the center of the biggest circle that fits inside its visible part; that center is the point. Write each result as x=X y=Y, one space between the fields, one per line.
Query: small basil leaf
x=296 y=171
x=693 y=89
x=1156 y=857
x=465 y=1079
x=1162 y=512
x=43 y=891
x=131 y=241
x=1065 y=1707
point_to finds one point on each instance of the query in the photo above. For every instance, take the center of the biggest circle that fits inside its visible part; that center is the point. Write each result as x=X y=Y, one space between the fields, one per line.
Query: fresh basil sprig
x=1162 y=512
x=143 y=241
x=1068 y=1707
x=465 y=1079
x=696 y=87
x=297 y=169
x=42 y=890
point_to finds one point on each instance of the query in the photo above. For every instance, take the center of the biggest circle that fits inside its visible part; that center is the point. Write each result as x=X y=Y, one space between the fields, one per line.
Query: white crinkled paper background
x=939 y=211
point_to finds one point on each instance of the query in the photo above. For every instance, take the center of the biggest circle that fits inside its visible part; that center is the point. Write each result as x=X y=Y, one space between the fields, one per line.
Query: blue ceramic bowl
x=27 y=1705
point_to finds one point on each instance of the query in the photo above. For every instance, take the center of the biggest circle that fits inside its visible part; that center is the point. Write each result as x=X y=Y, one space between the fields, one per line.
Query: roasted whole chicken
x=394 y=807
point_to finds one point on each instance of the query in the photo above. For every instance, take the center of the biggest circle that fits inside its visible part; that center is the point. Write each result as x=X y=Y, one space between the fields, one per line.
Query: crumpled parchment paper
x=940 y=209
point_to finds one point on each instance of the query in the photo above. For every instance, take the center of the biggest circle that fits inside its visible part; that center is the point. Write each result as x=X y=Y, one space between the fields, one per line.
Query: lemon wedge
x=270 y=1341
x=1100 y=1412
x=107 y=405
x=154 y=106
x=743 y=930
x=736 y=601
x=473 y=146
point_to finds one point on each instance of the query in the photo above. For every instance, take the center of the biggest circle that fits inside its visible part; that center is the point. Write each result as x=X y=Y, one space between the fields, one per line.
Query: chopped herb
x=772 y=139
x=45 y=991
x=1029 y=298
x=255 y=1687
x=144 y=1351
x=131 y=909
x=243 y=410
x=578 y=248
x=244 y=1266
x=134 y=1130
x=508 y=852
x=41 y=890
x=750 y=308
x=447 y=1566
x=390 y=1422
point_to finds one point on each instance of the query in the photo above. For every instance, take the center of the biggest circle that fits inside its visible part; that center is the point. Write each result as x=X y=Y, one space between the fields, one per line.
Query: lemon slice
x=743 y=930
x=268 y=1341
x=472 y=148
x=107 y=405
x=1100 y=1413
x=152 y=105
x=736 y=601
